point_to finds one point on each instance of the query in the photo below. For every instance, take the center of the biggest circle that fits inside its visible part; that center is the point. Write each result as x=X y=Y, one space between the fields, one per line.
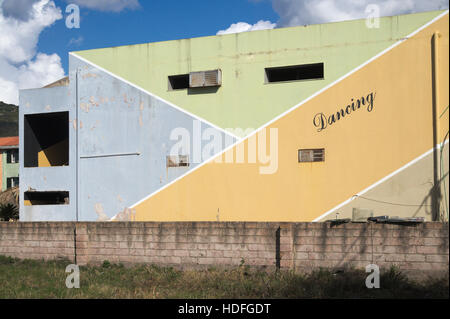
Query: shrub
x=8 y=212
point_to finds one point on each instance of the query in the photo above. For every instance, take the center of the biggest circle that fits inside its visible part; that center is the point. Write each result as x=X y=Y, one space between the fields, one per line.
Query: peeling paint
x=128 y=214
x=95 y=125
x=100 y=212
x=84 y=107
x=89 y=75
x=92 y=101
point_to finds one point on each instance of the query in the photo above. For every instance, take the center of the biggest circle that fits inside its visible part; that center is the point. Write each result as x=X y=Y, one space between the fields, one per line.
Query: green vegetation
x=39 y=279
x=8 y=212
x=9 y=120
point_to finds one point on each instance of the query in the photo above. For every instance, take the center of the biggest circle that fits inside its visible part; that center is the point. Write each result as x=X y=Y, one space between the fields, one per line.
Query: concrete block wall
x=37 y=240
x=189 y=245
x=301 y=246
x=413 y=249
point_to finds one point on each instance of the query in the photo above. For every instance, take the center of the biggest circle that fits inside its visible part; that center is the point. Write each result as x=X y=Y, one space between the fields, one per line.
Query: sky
x=35 y=40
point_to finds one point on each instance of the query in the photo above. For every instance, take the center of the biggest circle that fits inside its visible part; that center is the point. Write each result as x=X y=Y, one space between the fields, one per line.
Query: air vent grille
x=177 y=160
x=311 y=155
x=205 y=78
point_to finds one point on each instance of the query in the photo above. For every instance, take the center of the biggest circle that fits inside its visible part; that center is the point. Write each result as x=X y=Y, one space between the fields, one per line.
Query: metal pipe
x=436 y=192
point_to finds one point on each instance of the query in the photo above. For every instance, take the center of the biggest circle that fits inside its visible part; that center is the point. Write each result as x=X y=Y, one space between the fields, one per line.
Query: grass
x=46 y=279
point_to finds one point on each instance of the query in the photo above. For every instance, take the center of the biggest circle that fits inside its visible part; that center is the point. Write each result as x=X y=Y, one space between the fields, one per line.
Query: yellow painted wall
x=54 y=155
x=361 y=148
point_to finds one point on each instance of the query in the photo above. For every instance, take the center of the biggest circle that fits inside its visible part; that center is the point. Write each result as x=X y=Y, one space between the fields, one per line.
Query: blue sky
x=35 y=42
x=153 y=21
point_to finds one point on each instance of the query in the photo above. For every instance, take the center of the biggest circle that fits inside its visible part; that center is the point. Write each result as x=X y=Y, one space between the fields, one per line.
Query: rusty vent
x=311 y=155
x=177 y=160
x=205 y=78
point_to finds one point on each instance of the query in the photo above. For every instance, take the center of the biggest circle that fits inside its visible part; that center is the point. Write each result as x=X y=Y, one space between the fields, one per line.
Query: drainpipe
x=77 y=189
x=436 y=192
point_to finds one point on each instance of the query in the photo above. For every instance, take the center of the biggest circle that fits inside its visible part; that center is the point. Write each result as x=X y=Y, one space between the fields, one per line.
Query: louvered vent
x=311 y=155
x=177 y=160
x=205 y=78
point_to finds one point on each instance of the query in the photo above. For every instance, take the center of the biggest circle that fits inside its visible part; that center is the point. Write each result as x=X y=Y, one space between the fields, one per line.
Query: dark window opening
x=46 y=198
x=12 y=182
x=177 y=160
x=46 y=139
x=295 y=73
x=12 y=156
x=178 y=82
x=311 y=155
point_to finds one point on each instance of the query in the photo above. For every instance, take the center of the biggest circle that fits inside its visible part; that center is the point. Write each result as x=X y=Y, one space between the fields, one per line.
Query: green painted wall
x=8 y=170
x=244 y=100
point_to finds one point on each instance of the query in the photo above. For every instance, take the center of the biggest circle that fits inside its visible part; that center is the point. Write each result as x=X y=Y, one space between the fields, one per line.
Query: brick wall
x=37 y=240
x=300 y=246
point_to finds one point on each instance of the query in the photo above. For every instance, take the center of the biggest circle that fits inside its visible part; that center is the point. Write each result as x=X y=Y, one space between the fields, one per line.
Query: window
x=12 y=182
x=294 y=73
x=178 y=82
x=177 y=160
x=311 y=155
x=46 y=139
x=46 y=198
x=12 y=156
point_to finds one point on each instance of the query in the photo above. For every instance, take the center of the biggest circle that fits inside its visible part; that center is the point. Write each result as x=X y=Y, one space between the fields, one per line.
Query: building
x=9 y=162
x=304 y=123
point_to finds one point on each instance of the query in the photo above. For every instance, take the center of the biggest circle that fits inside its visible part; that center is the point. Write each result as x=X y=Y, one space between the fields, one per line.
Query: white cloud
x=8 y=91
x=107 y=5
x=301 y=12
x=42 y=70
x=20 y=65
x=243 y=27
x=18 y=9
x=75 y=41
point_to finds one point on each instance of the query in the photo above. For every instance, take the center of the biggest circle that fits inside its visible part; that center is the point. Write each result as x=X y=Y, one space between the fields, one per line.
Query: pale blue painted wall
x=115 y=118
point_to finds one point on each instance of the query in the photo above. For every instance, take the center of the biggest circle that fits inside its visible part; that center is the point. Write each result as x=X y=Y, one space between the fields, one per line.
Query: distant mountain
x=9 y=119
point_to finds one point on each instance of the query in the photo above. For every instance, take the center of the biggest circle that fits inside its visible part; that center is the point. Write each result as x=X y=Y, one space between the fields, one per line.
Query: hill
x=9 y=119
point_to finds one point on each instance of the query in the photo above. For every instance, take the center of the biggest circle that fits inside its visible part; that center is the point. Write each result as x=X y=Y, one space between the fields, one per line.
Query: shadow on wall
x=205 y=90
x=46 y=139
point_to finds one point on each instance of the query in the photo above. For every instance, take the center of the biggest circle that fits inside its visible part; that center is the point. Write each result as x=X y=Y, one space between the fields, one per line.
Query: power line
x=389 y=203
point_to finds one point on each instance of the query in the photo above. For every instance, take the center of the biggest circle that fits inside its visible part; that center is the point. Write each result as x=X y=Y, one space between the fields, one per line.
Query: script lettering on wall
x=321 y=121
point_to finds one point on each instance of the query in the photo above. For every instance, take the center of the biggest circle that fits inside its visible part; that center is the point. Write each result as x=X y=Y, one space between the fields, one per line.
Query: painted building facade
x=295 y=124
x=9 y=162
